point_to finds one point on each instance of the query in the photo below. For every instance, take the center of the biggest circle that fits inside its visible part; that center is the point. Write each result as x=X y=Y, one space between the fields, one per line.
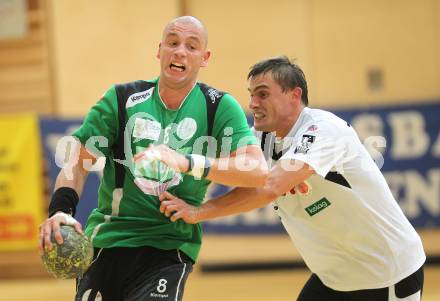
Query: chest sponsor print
x=146 y=129
x=186 y=128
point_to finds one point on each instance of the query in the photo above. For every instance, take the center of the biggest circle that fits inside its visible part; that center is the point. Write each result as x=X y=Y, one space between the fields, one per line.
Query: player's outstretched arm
x=68 y=187
x=283 y=176
x=246 y=167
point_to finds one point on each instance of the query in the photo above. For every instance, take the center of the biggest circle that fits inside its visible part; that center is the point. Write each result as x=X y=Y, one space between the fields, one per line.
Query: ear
x=158 y=50
x=297 y=93
x=206 y=57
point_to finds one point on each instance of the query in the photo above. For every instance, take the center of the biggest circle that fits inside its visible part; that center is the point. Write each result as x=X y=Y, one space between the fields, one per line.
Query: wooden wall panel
x=25 y=81
x=243 y=32
x=96 y=44
x=399 y=37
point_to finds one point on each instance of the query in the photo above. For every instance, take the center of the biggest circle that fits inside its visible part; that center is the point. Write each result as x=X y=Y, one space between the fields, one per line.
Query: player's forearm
x=246 y=167
x=74 y=178
x=68 y=188
x=242 y=171
x=234 y=202
x=74 y=174
x=280 y=180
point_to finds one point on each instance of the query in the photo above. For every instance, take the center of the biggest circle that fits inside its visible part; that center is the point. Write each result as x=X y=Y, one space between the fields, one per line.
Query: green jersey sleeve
x=230 y=126
x=99 y=129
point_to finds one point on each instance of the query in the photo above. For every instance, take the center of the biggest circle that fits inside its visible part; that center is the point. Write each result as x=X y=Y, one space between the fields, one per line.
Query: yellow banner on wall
x=21 y=190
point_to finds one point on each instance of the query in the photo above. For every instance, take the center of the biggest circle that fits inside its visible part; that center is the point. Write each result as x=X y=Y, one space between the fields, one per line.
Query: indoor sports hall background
x=375 y=63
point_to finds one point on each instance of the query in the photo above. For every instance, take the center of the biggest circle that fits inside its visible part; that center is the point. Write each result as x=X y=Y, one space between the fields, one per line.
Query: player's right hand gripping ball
x=70 y=259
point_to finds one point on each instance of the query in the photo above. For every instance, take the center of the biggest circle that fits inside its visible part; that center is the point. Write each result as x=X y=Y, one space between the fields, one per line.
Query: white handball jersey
x=343 y=220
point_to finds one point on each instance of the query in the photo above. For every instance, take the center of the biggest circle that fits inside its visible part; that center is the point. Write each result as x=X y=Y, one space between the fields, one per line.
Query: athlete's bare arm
x=73 y=175
x=246 y=167
x=283 y=176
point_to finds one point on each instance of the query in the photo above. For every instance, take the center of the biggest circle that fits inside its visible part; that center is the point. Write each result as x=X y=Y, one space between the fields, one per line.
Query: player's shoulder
x=318 y=120
x=139 y=84
x=211 y=92
x=230 y=101
x=229 y=104
x=322 y=116
x=214 y=94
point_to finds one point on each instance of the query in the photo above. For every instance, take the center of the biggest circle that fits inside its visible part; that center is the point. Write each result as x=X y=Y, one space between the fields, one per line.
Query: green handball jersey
x=130 y=216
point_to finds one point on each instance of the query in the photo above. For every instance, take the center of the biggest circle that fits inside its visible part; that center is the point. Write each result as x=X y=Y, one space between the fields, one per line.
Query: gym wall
x=370 y=53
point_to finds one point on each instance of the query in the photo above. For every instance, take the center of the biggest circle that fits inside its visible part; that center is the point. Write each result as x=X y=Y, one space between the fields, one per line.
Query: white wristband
x=199 y=166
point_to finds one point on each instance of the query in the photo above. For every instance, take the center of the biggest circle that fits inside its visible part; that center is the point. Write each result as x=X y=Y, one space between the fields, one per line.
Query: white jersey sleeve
x=321 y=145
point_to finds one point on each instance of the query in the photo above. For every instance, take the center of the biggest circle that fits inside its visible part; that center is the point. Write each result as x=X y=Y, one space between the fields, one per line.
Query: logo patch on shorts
x=156 y=295
x=161 y=289
x=317 y=206
x=87 y=293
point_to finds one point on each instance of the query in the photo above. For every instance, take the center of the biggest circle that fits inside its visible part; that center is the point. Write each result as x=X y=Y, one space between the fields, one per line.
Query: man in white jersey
x=330 y=195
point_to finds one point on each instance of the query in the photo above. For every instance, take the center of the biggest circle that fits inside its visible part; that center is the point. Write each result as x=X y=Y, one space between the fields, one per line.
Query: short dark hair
x=285 y=73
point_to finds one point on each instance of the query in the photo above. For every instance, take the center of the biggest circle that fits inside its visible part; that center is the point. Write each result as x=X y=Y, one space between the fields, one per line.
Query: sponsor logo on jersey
x=312 y=128
x=318 y=206
x=213 y=94
x=305 y=144
x=186 y=128
x=147 y=129
x=139 y=97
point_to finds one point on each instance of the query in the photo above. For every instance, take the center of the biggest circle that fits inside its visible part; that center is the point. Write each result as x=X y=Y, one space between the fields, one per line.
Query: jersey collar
x=181 y=104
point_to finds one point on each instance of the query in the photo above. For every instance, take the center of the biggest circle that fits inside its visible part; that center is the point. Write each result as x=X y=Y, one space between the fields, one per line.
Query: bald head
x=187 y=20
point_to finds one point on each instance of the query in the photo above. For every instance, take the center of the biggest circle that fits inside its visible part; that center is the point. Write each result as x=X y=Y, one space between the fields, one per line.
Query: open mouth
x=259 y=115
x=177 y=67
